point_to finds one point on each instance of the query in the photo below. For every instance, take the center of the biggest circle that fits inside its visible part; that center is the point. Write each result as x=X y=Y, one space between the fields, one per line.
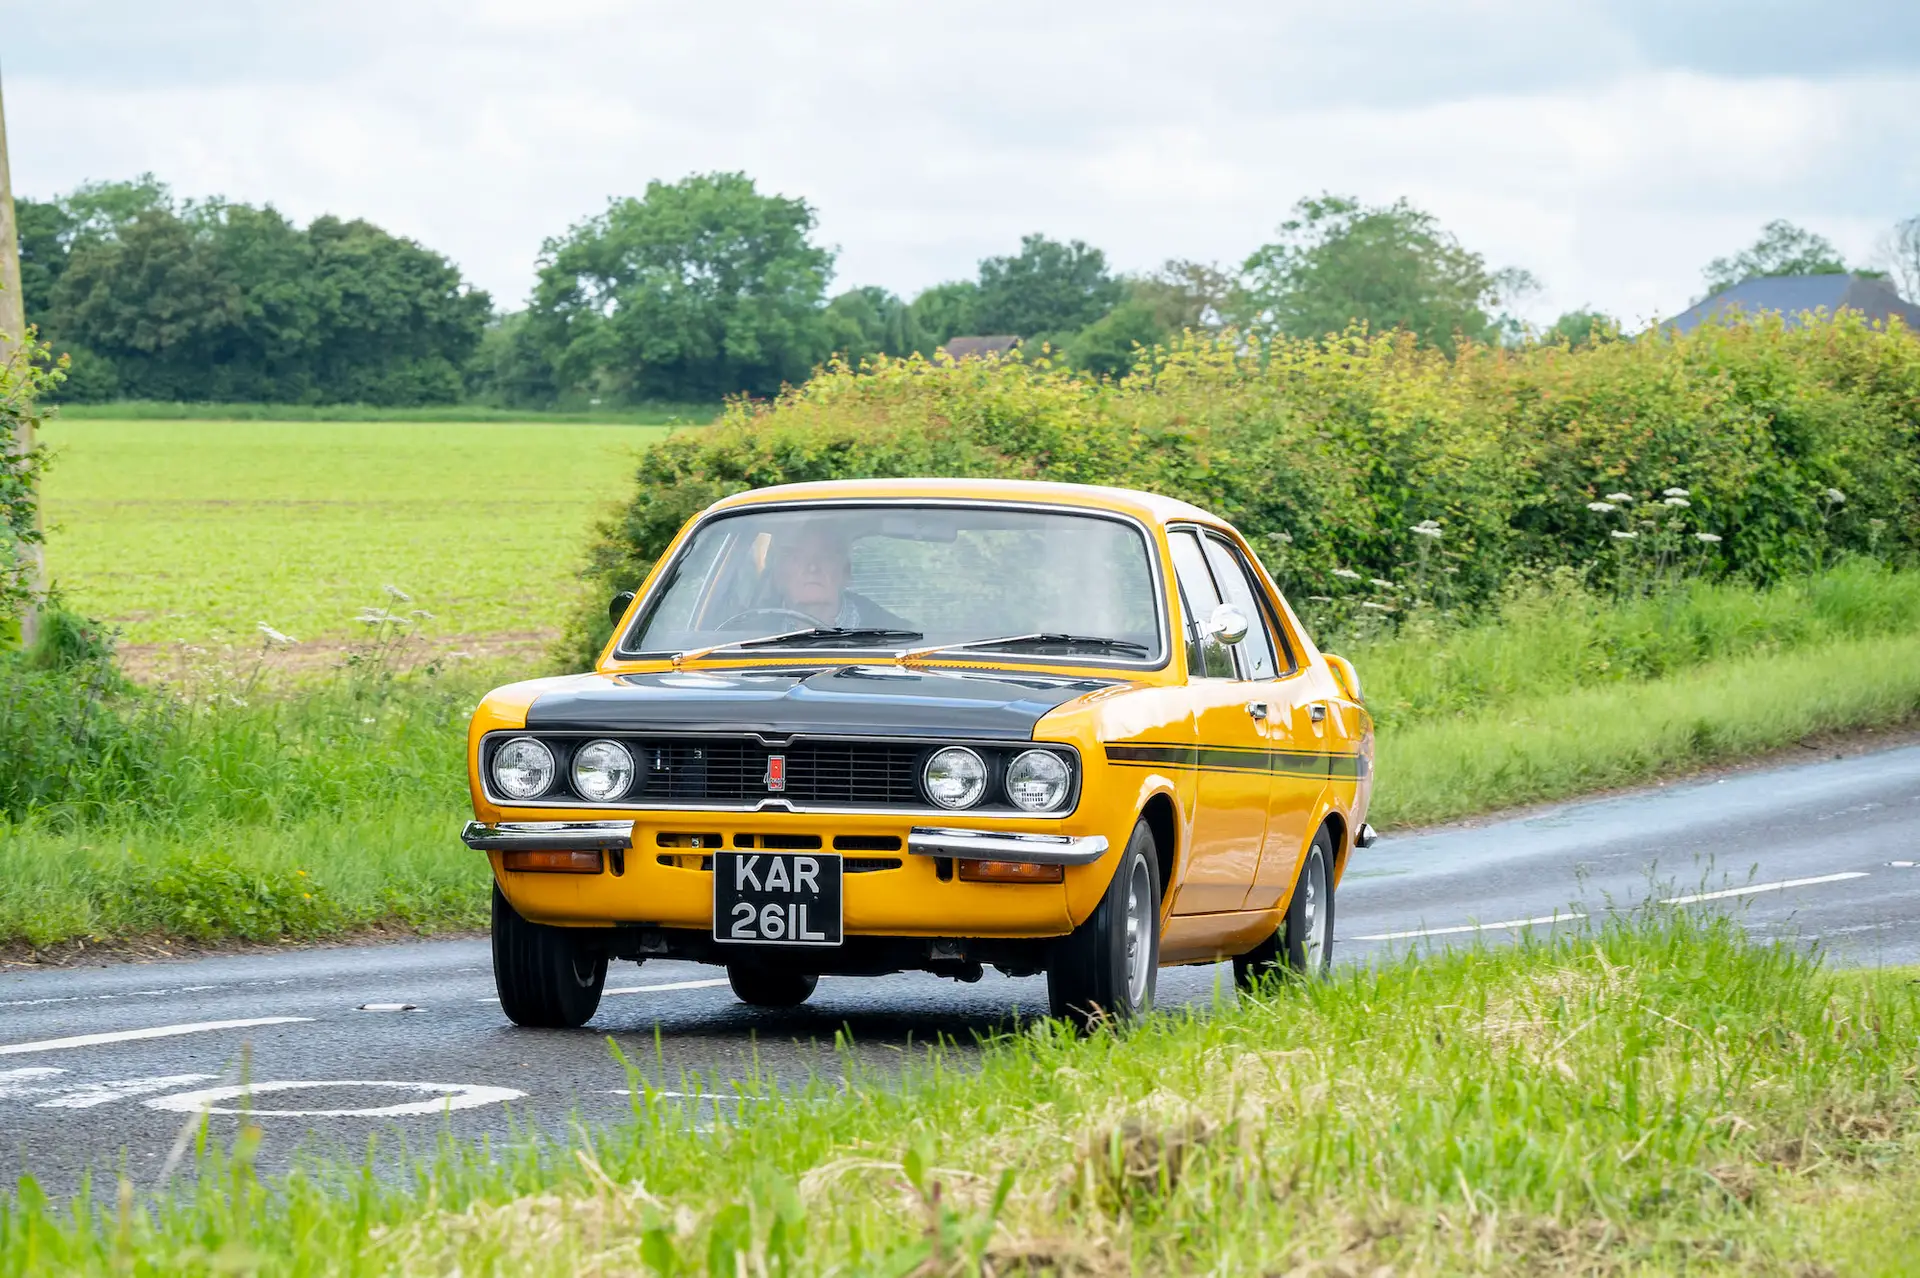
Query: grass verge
x=1658 y=1095
x=150 y=410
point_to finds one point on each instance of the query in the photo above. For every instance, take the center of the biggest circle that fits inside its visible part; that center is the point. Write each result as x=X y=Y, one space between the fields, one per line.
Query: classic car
x=873 y=726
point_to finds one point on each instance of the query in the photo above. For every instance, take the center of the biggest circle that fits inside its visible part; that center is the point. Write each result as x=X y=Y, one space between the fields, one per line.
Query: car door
x=1294 y=737
x=1231 y=805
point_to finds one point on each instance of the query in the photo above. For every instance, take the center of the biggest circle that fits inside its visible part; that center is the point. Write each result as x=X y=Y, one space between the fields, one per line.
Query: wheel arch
x=1164 y=821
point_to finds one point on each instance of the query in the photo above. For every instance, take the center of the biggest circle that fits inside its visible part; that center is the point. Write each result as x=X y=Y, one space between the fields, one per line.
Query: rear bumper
x=549 y=836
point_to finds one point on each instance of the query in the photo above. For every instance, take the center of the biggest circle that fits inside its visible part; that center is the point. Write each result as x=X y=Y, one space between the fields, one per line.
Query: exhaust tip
x=1367 y=837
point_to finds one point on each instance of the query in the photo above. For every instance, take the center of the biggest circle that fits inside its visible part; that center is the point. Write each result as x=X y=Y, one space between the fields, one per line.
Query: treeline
x=154 y=298
x=704 y=288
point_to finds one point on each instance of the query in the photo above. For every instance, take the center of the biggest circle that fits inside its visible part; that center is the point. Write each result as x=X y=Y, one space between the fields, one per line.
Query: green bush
x=1791 y=444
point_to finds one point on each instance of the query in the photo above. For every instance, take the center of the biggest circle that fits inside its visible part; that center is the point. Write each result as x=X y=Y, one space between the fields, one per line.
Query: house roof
x=959 y=348
x=1793 y=295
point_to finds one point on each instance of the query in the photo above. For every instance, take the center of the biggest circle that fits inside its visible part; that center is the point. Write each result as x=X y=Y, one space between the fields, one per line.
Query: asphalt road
x=104 y=1067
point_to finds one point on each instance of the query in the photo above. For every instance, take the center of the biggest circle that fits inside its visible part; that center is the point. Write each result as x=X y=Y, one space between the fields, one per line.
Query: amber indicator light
x=551 y=862
x=1009 y=872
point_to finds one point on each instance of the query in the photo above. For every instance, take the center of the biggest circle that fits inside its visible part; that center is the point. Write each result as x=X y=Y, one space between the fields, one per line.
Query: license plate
x=776 y=898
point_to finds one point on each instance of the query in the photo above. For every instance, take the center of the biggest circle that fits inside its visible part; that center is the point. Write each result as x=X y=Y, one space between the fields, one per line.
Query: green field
x=200 y=530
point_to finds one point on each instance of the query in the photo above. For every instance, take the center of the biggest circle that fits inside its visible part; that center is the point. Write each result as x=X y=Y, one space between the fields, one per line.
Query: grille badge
x=776 y=773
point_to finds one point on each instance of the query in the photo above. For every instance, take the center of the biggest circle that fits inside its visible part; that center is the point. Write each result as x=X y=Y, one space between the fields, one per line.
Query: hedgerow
x=1785 y=446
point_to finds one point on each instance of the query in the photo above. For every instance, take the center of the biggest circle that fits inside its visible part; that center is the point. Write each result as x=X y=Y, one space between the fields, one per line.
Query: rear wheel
x=770 y=986
x=1106 y=969
x=547 y=977
x=1303 y=943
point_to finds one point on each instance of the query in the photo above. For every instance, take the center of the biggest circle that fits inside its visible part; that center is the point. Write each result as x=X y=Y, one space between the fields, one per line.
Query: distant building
x=1793 y=295
x=959 y=348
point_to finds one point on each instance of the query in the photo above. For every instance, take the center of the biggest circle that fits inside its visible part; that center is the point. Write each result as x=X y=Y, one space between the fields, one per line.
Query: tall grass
x=1656 y=1096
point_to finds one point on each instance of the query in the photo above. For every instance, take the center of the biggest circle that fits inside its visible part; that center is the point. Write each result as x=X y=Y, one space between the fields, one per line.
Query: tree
x=1387 y=266
x=1900 y=250
x=1047 y=287
x=1582 y=328
x=864 y=322
x=1185 y=295
x=946 y=311
x=701 y=288
x=1782 y=249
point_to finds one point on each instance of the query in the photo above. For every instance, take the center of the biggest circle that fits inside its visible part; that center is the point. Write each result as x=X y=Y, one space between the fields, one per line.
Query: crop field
x=198 y=531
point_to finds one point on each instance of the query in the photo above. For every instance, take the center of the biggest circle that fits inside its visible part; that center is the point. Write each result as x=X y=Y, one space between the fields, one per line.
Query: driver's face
x=812 y=573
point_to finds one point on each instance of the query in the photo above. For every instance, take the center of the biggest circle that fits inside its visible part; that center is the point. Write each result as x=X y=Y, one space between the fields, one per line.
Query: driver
x=810 y=569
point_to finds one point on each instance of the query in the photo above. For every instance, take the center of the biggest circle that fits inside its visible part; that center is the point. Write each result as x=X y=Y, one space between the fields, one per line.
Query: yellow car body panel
x=1244 y=798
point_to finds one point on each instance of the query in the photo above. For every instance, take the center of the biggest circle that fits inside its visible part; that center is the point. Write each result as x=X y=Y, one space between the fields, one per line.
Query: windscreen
x=926 y=574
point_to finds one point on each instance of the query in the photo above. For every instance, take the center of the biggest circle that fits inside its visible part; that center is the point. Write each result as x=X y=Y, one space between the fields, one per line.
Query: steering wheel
x=740 y=619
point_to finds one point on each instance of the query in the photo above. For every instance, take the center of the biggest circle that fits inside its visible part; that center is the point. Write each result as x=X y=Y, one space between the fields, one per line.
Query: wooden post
x=13 y=331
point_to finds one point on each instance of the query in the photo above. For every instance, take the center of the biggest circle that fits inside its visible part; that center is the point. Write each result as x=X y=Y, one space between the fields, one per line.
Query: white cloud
x=1554 y=137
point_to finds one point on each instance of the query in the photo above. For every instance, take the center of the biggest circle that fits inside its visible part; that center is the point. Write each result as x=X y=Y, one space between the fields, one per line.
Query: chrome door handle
x=1317 y=712
x=1258 y=709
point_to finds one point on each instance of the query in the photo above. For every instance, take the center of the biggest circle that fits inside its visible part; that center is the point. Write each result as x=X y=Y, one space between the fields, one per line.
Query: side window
x=1243 y=592
x=1207 y=658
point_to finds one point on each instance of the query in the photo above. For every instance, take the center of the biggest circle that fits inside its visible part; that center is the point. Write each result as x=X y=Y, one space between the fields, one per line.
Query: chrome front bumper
x=549 y=836
x=1000 y=845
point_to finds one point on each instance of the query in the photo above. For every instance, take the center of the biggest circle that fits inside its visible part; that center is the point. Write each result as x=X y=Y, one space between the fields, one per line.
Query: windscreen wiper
x=812 y=636
x=822 y=635
x=1046 y=638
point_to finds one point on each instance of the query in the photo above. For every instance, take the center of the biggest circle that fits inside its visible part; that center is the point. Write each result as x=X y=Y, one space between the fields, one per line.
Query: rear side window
x=1242 y=589
x=1207 y=657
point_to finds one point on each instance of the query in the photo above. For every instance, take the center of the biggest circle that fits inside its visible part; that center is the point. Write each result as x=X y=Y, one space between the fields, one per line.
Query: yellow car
x=885 y=725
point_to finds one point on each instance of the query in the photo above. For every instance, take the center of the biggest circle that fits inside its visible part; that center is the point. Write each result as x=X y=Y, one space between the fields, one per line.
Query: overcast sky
x=1611 y=147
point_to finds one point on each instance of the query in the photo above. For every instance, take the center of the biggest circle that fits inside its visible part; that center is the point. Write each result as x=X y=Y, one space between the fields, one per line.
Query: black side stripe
x=1305 y=763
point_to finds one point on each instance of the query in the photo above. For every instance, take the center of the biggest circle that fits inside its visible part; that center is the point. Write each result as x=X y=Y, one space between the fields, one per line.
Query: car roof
x=1151 y=507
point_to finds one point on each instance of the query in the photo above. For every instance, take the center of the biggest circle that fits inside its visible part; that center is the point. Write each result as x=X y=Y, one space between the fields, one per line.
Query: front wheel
x=1303 y=943
x=1106 y=968
x=547 y=977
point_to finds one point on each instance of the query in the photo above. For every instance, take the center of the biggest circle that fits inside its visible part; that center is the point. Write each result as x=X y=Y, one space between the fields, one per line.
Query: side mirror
x=1228 y=624
x=618 y=607
x=1345 y=675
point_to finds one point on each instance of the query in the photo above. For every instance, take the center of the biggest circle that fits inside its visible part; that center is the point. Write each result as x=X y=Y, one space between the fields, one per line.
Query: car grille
x=726 y=771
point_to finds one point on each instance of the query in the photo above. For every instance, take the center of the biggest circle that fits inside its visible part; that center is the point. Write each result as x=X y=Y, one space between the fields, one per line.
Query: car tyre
x=1302 y=946
x=1106 y=969
x=764 y=986
x=547 y=977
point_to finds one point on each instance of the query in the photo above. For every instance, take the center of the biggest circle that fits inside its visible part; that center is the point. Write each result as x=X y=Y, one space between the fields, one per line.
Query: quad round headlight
x=602 y=770
x=523 y=768
x=1038 y=781
x=956 y=777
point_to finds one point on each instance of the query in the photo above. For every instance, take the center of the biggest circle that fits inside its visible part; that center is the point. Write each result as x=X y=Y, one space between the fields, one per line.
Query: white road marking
x=1471 y=927
x=106 y=998
x=25 y=1082
x=90 y=1094
x=131 y=1036
x=714 y=1096
x=444 y=1096
x=1753 y=888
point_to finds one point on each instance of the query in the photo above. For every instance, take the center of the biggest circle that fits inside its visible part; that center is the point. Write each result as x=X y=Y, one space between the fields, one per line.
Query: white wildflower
x=375 y=616
x=1837 y=497
x=274 y=636
x=1709 y=538
x=1620 y=534
x=421 y=614
x=1319 y=598
x=1623 y=499
x=1283 y=538
x=1377 y=607
x=366 y=718
x=1347 y=573
x=1426 y=528
x=1678 y=503
x=1384 y=585
x=394 y=592
x=1602 y=507
x=459 y=655
x=1676 y=492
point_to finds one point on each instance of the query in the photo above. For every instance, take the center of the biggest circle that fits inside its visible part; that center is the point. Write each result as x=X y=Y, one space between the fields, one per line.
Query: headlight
x=602 y=770
x=956 y=777
x=1038 y=781
x=523 y=768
